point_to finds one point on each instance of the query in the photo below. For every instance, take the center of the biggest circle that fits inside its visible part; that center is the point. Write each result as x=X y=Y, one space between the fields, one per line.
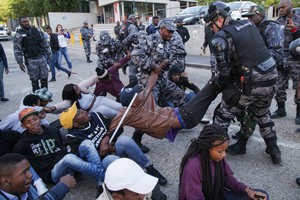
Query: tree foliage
x=37 y=8
x=265 y=3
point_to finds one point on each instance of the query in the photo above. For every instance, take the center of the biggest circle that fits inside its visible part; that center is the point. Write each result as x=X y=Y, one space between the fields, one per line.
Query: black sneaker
x=3 y=99
x=153 y=172
x=52 y=80
x=69 y=74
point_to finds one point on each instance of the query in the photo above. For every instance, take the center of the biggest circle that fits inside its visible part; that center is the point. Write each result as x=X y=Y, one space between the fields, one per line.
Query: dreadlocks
x=201 y=146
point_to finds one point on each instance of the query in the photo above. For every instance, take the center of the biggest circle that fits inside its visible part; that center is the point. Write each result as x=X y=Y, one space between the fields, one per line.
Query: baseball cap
x=168 y=24
x=132 y=16
x=85 y=22
x=124 y=173
x=67 y=116
x=127 y=94
x=44 y=94
x=26 y=112
x=255 y=10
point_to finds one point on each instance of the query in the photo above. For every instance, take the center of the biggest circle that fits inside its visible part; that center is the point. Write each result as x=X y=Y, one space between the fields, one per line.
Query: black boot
x=280 y=112
x=137 y=137
x=153 y=172
x=88 y=59
x=157 y=194
x=297 y=119
x=239 y=147
x=52 y=79
x=273 y=150
x=44 y=83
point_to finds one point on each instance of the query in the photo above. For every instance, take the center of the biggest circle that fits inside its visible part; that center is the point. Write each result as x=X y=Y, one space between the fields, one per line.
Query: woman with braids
x=205 y=174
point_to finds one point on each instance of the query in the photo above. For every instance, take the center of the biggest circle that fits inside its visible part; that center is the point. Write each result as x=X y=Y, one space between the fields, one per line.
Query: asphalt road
x=255 y=168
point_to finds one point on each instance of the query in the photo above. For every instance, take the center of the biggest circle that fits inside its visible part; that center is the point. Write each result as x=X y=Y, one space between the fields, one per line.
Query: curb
x=198 y=65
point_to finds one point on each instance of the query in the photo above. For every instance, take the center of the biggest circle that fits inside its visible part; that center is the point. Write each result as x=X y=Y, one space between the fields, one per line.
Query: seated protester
x=16 y=180
x=182 y=81
x=108 y=80
x=86 y=100
x=94 y=126
x=12 y=122
x=126 y=180
x=204 y=172
x=45 y=96
x=43 y=147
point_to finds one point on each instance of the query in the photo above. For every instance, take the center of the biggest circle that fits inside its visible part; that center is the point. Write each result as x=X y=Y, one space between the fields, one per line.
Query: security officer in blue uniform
x=246 y=73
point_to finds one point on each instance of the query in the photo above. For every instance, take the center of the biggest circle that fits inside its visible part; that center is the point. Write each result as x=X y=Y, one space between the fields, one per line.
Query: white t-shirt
x=62 y=41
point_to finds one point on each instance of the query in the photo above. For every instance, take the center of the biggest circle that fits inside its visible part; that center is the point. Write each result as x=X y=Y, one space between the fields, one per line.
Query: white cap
x=124 y=173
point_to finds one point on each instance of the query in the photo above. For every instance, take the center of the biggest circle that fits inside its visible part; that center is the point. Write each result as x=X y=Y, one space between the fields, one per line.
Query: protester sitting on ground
x=16 y=180
x=126 y=180
x=204 y=172
x=45 y=96
x=108 y=80
x=94 y=126
x=12 y=122
x=86 y=100
x=44 y=149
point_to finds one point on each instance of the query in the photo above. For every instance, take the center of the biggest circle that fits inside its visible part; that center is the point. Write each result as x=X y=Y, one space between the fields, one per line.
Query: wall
x=193 y=46
x=172 y=8
x=71 y=20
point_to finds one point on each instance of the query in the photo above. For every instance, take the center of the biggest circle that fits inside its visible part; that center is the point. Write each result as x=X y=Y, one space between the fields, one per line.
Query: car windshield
x=190 y=10
x=234 y=5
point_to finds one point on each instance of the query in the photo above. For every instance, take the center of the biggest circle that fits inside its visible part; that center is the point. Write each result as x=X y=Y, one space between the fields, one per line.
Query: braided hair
x=212 y=189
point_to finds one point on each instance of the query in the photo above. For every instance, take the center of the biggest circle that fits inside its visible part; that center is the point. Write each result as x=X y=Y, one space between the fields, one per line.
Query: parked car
x=4 y=33
x=239 y=7
x=297 y=10
x=191 y=15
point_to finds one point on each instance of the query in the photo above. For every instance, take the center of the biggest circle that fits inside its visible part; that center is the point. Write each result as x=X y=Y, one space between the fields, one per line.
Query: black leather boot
x=153 y=172
x=280 y=112
x=239 y=147
x=297 y=119
x=273 y=150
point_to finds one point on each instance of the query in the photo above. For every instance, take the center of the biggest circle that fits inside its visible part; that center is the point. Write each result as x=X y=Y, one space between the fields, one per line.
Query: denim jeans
x=1 y=79
x=64 y=52
x=55 y=63
x=107 y=107
x=126 y=147
x=92 y=166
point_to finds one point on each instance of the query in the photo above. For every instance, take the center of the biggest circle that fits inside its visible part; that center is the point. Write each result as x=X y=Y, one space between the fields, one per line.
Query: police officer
x=131 y=25
x=108 y=50
x=273 y=36
x=183 y=32
x=178 y=52
x=251 y=70
x=86 y=35
x=30 y=43
x=291 y=65
x=153 y=51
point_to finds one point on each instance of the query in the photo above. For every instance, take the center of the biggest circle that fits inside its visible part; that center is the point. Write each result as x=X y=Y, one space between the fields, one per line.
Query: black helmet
x=294 y=48
x=215 y=9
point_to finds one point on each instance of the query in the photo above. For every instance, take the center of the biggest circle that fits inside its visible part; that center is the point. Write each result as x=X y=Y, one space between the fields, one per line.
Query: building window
x=160 y=10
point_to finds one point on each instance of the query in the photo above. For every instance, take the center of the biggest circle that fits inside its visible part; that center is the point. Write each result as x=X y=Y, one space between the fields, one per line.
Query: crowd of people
x=159 y=100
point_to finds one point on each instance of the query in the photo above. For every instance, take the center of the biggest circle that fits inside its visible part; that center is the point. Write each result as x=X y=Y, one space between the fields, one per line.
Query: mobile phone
x=259 y=197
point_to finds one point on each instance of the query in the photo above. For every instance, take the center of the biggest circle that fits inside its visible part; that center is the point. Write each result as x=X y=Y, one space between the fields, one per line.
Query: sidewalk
x=198 y=61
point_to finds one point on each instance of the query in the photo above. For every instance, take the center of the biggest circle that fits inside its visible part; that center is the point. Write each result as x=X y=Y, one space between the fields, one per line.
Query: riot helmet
x=294 y=49
x=105 y=38
x=215 y=9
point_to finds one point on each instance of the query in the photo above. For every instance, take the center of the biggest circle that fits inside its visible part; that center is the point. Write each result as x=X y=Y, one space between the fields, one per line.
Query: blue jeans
x=92 y=166
x=126 y=147
x=1 y=79
x=64 y=52
x=55 y=63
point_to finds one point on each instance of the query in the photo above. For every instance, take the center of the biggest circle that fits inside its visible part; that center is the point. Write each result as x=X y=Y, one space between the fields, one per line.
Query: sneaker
x=58 y=74
x=74 y=72
x=40 y=187
x=204 y=120
x=3 y=99
x=52 y=80
x=153 y=172
x=69 y=74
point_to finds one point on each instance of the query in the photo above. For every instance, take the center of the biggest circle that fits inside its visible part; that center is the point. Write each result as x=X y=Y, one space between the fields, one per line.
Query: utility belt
x=247 y=84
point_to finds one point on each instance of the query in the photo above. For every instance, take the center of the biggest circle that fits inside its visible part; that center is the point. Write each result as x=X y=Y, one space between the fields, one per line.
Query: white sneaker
x=204 y=120
x=40 y=187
